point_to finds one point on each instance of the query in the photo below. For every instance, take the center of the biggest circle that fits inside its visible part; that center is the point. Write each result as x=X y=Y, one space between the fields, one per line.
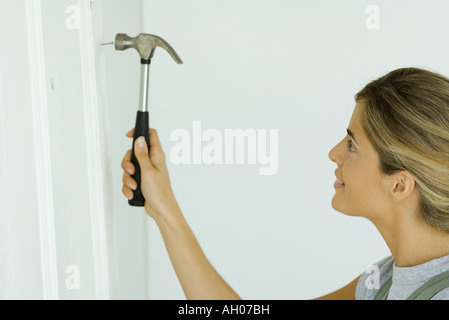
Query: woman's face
x=365 y=190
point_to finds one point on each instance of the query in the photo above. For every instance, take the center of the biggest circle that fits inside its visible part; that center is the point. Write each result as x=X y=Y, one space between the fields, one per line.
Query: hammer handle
x=141 y=129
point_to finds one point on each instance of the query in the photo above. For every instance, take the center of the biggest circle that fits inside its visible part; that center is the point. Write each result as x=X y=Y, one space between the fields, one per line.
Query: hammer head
x=145 y=44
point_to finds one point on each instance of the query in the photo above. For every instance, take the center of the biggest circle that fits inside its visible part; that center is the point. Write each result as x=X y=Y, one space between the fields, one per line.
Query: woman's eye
x=350 y=148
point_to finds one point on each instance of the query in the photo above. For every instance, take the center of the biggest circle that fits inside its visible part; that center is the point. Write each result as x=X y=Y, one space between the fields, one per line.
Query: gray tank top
x=405 y=280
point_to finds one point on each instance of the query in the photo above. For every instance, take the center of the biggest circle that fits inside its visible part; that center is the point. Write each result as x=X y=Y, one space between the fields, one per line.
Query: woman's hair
x=406 y=119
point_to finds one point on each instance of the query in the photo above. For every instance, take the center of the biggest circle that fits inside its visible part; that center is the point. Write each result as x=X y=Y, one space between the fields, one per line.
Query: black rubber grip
x=141 y=129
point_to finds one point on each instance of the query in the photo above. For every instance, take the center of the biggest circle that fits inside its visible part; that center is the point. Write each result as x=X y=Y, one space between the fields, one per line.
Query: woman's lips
x=339 y=184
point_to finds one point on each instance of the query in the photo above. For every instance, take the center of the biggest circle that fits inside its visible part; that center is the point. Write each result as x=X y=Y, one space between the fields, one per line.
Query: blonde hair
x=406 y=119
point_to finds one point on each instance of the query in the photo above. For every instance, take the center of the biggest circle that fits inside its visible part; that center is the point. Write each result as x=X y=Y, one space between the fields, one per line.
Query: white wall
x=288 y=65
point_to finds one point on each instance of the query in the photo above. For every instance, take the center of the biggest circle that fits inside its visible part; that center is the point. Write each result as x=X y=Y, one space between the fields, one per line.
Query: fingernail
x=129 y=171
x=130 y=197
x=141 y=142
x=132 y=186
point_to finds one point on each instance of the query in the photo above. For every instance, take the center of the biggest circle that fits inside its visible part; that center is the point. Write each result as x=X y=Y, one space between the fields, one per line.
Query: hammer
x=145 y=44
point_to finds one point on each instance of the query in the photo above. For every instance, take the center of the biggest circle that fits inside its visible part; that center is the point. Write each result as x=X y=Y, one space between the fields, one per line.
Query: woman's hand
x=155 y=182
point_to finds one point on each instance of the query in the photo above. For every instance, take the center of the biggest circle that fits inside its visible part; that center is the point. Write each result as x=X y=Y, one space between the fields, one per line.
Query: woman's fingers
x=129 y=182
x=127 y=165
x=128 y=193
x=130 y=133
x=156 y=152
x=155 y=142
x=141 y=152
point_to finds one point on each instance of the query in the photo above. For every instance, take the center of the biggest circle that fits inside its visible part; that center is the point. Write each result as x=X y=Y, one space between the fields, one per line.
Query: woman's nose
x=334 y=155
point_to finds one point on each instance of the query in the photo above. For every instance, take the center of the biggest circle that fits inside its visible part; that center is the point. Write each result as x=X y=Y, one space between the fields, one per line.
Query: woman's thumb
x=142 y=155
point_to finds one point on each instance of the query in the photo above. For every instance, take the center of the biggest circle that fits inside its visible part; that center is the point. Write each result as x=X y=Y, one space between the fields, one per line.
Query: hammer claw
x=145 y=44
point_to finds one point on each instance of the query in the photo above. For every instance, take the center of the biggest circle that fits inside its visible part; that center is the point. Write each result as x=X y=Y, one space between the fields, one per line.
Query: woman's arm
x=198 y=278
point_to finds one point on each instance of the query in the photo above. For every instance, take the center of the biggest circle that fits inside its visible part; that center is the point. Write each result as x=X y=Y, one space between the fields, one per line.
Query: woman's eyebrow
x=351 y=134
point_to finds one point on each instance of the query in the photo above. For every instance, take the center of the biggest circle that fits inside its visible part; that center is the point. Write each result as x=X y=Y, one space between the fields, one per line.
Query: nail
x=132 y=186
x=141 y=142
x=129 y=170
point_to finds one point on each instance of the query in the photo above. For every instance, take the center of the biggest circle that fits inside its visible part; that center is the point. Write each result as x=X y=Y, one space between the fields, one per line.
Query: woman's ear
x=403 y=185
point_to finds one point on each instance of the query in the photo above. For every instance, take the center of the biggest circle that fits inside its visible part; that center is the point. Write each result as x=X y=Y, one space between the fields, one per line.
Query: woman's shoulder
x=373 y=278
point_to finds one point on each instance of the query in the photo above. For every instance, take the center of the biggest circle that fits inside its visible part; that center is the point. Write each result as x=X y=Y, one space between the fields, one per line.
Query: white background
x=293 y=66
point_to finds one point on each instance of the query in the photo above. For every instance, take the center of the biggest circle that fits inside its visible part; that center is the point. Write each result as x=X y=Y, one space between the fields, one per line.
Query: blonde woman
x=392 y=168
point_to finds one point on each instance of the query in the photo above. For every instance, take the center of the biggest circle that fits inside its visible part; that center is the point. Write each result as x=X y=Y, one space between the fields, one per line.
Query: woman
x=392 y=168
